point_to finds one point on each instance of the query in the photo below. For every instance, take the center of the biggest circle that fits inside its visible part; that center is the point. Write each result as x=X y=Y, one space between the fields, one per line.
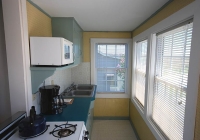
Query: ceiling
x=103 y=15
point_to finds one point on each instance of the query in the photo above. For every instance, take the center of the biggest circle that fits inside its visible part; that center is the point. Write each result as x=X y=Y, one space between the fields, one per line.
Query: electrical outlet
x=52 y=82
x=33 y=97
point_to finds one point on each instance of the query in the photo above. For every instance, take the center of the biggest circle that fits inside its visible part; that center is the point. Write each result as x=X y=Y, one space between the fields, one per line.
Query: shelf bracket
x=37 y=78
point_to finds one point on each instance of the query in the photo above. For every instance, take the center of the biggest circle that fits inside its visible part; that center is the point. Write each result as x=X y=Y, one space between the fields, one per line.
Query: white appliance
x=50 y=51
x=79 y=134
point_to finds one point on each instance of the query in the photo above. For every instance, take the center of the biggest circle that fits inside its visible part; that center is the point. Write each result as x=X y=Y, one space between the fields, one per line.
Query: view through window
x=111 y=67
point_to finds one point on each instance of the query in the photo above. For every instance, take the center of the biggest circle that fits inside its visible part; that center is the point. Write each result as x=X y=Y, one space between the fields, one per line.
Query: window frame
x=94 y=42
x=141 y=107
x=182 y=15
x=162 y=78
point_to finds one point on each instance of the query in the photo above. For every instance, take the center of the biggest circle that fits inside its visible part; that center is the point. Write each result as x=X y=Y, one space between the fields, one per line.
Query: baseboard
x=136 y=134
x=111 y=118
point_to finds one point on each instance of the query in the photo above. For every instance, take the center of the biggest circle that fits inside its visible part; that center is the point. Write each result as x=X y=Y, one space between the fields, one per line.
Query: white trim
x=17 y=49
x=93 y=42
x=134 y=72
x=191 y=10
x=26 y=55
x=150 y=74
x=193 y=77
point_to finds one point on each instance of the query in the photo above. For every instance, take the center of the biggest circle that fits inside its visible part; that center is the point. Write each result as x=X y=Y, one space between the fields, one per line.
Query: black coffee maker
x=50 y=99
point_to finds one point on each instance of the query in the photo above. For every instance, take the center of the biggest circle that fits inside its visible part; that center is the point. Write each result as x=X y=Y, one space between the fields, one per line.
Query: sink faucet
x=71 y=87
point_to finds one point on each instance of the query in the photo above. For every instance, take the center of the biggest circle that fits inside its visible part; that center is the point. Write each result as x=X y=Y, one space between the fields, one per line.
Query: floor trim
x=134 y=129
x=111 y=118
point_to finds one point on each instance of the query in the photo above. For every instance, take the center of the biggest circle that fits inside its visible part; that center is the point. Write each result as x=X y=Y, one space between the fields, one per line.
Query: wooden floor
x=112 y=130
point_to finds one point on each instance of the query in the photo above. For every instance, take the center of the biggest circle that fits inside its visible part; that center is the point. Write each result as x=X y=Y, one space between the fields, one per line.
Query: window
x=172 y=75
x=111 y=67
x=140 y=71
x=170 y=80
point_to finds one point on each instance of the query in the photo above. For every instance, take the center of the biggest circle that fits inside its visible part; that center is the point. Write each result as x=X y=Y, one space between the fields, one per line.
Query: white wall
x=81 y=73
x=17 y=50
x=5 y=111
x=64 y=78
x=61 y=78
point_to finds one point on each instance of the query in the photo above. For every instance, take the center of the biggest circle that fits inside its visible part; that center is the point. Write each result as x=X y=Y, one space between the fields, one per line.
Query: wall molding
x=40 y=9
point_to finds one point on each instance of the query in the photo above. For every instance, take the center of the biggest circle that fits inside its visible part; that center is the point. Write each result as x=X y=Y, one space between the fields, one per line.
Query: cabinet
x=68 y=28
x=89 y=122
x=61 y=27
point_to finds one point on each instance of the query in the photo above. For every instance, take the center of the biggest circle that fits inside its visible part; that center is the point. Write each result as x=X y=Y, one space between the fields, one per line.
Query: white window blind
x=111 y=67
x=140 y=71
x=170 y=82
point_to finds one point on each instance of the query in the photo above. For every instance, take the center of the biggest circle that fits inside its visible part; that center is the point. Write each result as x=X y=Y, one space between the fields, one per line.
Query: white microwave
x=51 y=51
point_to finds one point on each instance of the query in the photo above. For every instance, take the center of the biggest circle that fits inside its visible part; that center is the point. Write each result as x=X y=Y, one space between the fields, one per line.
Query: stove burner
x=63 y=130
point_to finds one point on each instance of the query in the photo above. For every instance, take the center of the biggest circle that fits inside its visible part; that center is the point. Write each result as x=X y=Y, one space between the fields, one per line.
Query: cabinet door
x=77 y=40
x=90 y=118
x=69 y=29
x=62 y=27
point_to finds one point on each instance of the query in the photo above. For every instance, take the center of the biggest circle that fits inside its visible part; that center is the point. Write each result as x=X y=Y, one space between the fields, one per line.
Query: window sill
x=112 y=95
x=138 y=104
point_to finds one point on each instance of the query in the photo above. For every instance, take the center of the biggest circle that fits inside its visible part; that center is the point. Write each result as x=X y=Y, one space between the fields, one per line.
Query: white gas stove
x=75 y=131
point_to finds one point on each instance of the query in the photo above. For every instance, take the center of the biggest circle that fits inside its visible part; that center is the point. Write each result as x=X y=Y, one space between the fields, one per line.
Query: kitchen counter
x=77 y=111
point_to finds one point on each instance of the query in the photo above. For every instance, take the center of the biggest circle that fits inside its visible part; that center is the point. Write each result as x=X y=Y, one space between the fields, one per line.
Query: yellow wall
x=38 y=23
x=142 y=129
x=88 y=35
x=106 y=107
x=173 y=7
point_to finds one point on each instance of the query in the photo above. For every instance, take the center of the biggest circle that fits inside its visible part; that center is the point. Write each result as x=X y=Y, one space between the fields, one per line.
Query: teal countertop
x=77 y=111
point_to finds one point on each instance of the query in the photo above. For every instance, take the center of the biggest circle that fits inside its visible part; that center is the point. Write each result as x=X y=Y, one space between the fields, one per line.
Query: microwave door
x=68 y=53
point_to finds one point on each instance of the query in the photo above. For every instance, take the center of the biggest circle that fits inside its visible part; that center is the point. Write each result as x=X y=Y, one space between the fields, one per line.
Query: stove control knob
x=85 y=138
x=86 y=132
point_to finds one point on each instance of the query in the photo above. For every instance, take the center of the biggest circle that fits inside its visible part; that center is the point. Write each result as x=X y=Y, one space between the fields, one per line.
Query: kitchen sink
x=81 y=90
x=79 y=93
x=84 y=87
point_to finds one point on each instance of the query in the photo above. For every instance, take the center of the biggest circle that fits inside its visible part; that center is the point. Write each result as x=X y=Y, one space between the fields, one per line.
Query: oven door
x=84 y=133
x=9 y=126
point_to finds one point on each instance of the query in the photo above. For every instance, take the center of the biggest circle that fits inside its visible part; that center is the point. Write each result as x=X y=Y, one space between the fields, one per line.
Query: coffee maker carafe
x=49 y=99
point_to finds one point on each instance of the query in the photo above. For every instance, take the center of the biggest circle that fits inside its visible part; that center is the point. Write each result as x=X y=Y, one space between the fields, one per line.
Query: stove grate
x=63 y=130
